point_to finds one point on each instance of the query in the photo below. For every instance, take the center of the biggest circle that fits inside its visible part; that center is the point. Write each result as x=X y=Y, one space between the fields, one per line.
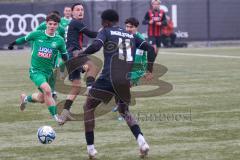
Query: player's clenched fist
x=11 y=45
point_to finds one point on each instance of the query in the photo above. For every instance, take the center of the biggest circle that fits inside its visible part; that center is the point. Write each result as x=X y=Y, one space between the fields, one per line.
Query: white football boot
x=23 y=102
x=92 y=152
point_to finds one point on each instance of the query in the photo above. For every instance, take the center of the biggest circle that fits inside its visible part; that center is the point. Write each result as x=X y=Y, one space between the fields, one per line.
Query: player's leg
x=52 y=82
x=152 y=41
x=41 y=81
x=91 y=73
x=83 y=63
x=74 y=70
x=134 y=127
x=89 y=124
x=49 y=101
x=100 y=92
x=34 y=98
x=62 y=69
x=158 y=43
x=75 y=89
x=165 y=41
x=173 y=37
x=61 y=66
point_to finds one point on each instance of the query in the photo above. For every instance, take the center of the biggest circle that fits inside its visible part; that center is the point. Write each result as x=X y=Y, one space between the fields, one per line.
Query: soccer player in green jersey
x=58 y=63
x=64 y=23
x=140 y=59
x=46 y=46
x=67 y=18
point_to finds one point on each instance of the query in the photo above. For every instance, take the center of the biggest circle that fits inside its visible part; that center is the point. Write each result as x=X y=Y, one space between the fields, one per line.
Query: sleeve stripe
x=83 y=28
x=99 y=40
x=142 y=43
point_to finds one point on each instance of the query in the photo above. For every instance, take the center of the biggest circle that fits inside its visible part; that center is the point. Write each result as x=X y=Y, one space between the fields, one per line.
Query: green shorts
x=39 y=77
x=135 y=77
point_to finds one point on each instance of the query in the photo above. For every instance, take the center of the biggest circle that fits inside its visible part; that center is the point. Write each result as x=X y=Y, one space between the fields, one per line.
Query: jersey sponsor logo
x=45 y=52
x=17 y=24
x=156 y=18
x=121 y=34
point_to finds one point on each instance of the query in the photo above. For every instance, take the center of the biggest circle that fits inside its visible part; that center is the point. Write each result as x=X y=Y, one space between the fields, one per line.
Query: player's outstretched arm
x=93 y=48
x=18 y=41
x=91 y=34
x=11 y=45
x=22 y=40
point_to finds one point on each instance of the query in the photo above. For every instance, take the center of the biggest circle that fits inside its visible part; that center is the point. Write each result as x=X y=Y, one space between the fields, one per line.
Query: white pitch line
x=200 y=55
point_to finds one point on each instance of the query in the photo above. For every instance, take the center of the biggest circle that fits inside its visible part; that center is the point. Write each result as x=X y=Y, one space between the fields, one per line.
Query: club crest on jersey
x=54 y=45
x=45 y=52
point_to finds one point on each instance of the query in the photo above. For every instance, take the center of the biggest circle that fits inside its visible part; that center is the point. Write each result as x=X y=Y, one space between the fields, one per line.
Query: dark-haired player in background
x=46 y=46
x=76 y=29
x=119 y=49
x=155 y=19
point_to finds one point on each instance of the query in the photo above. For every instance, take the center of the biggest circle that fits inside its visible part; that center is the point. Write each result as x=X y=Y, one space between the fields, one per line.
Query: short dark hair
x=110 y=15
x=76 y=4
x=53 y=17
x=55 y=12
x=133 y=21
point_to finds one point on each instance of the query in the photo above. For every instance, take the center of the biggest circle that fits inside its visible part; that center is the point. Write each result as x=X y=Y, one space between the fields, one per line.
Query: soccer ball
x=46 y=134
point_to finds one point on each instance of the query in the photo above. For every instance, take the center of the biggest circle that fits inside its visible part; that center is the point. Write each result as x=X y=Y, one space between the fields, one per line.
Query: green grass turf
x=198 y=119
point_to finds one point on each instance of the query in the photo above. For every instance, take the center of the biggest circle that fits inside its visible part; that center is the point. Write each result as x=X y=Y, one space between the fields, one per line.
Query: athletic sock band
x=89 y=137
x=68 y=104
x=52 y=110
x=136 y=130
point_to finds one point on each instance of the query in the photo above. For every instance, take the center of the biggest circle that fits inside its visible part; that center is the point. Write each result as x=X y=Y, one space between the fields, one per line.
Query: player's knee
x=47 y=92
x=91 y=66
x=41 y=98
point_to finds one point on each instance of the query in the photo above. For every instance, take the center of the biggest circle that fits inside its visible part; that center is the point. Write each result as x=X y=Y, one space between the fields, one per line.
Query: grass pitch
x=198 y=119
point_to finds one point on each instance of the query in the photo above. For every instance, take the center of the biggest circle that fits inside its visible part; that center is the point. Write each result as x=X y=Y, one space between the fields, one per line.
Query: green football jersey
x=139 y=64
x=45 y=49
x=60 y=30
x=64 y=22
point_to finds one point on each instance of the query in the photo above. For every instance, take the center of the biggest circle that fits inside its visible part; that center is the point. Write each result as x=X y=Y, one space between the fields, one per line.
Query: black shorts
x=155 y=40
x=103 y=89
x=75 y=65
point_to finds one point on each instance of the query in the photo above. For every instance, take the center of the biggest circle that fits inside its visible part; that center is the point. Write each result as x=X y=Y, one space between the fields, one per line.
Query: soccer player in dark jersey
x=155 y=19
x=76 y=29
x=46 y=47
x=119 y=49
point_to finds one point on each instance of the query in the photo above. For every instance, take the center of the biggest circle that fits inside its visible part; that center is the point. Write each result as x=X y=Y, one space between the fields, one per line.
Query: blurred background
x=207 y=22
